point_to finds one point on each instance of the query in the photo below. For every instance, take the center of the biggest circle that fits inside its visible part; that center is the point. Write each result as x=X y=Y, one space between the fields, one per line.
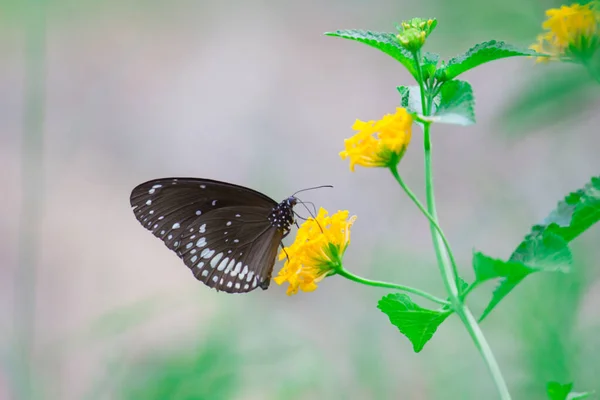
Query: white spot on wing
x=157 y=186
x=202 y=186
x=237 y=285
x=215 y=260
x=246 y=286
x=201 y=242
x=205 y=273
x=223 y=264
x=202 y=228
x=244 y=271
x=193 y=259
x=229 y=284
x=198 y=212
x=176 y=225
x=215 y=278
x=149 y=202
x=201 y=264
x=237 y=269
x=228 y=222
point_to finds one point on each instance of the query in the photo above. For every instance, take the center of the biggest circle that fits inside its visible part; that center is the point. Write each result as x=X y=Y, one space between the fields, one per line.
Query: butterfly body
x=228 y=235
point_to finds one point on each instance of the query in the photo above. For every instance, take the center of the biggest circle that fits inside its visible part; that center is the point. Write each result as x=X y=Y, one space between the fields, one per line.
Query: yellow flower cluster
x=317 y=251
x=379 y=143
x=571 y=31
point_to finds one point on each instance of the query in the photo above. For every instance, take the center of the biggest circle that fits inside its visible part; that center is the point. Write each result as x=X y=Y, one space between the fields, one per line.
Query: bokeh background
x=251 y=92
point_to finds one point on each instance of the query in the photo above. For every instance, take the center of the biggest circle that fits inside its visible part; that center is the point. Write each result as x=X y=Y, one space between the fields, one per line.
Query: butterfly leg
x=286 y=254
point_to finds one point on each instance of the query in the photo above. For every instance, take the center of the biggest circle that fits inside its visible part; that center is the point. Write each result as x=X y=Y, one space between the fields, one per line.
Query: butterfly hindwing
x=231 y=249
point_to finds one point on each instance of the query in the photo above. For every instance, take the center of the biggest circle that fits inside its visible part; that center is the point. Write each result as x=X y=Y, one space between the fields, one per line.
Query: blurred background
x=99 y=96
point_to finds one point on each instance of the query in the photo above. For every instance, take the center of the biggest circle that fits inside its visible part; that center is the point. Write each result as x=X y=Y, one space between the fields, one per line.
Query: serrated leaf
x=416 y=323
x=542 y=252
x=546 y=247
x=410 y=98
x=487 y=268
x=386 y=42
x=429 y=62
x=576 y=213
x=558 y=391
x=480 y=54
x=455 y=104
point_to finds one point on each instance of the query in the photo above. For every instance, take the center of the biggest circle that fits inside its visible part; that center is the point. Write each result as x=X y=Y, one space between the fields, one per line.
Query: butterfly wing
x=220 y=230
x=166 y=206
x=232 y=249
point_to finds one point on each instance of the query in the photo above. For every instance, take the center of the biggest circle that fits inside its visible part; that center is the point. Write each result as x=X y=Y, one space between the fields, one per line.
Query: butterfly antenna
x=312 y=188
x=311 y=214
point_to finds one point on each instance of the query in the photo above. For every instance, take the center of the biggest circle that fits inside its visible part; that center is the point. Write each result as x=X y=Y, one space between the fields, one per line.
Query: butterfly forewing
x=232 y=249
x=221 y=231
x=166 y=206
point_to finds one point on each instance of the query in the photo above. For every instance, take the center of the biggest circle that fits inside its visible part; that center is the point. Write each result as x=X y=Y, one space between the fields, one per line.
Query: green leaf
x=545 y=248
x=557 y=391
x=576 y=213
x=487 y=268
x=542 y=252
x=416 y=323
x=455 y=104
x=410 y=98
x=429 y=64
x=385 y=42
x=477 y=55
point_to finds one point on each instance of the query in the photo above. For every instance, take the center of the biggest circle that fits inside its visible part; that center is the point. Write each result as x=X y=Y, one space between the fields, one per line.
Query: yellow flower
x=379 y=143
x=317 y=251
x=571 y=31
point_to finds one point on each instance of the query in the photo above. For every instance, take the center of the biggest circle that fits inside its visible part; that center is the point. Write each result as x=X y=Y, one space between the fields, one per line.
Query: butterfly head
x=282 y=215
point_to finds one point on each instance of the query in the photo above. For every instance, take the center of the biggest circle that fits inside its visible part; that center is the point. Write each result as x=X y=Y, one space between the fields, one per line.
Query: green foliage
x=477 y=55
x=545 y=248
x=487 y=268
x=410 y=98
x=416 y=323
x=557 y=391
x=455 y=104
x=386 y=42
x=208 y=372
x=557 y=95
x=544 y=252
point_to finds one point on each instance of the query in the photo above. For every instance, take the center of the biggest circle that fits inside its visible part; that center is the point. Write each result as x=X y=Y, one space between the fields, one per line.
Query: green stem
x=417 y=58
x=31 y=198
x=432 y=220
x=449 y=278
x=448 y=268
x=484 y=349
x=348 y=275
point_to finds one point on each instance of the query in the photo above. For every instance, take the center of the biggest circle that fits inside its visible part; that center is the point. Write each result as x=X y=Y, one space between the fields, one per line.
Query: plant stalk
x=31 y=199
x=348 y=275
x=448 y=268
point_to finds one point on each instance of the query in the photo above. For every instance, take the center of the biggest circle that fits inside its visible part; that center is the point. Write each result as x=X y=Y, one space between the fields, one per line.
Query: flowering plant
x=573 y=35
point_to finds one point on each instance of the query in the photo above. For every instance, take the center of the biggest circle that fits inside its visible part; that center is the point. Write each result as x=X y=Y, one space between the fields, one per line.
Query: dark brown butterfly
x=228 y=235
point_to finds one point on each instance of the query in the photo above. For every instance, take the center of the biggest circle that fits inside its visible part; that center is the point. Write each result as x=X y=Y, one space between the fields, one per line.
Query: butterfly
x=227 y=235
